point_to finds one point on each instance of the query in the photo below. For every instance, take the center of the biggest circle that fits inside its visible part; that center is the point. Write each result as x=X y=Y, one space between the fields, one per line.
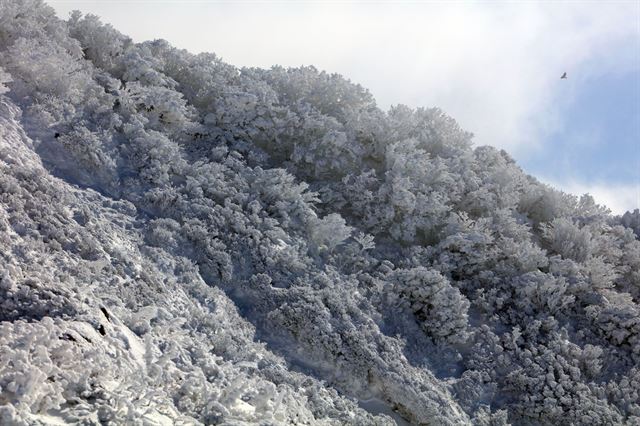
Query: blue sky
x=600 y=131
x=597 y=146
x=494 y=66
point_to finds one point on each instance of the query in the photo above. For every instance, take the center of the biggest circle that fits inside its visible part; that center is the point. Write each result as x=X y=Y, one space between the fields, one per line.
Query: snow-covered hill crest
x=183 y=241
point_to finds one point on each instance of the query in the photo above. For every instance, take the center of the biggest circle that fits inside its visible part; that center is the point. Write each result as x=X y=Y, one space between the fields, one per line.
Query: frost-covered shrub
x=618 y=321
x=538 y=292
x=625 y=393
x=164 y=109
x=411 y=181
x=439 y=308
x=436 y=133
x=542 y=203
x=330 y=94
x=45 y=68
x=550 y=375
x=88 y=149
x=152 y=156
x=498 y=182
x=282 y=196
x=568 y=240
x=101 y=44
x=329 y=232
x=632 y=220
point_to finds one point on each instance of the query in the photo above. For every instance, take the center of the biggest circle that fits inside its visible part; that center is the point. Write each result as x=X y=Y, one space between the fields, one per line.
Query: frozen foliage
x=632 y=220
x=98 y=326
x=186 y=242
x=439 y=308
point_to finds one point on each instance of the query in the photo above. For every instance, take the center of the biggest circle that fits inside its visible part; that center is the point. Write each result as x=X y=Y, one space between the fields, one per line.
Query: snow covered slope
x=185 y=242
x=98 y=326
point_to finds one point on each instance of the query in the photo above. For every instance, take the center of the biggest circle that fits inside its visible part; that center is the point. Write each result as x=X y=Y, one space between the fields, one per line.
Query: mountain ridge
x=247 y=246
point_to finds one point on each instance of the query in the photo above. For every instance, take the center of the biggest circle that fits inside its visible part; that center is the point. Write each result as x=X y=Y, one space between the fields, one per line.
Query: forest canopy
x=187 y=242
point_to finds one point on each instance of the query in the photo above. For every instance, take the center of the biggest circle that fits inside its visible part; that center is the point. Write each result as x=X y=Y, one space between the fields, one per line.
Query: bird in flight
x=564 y=76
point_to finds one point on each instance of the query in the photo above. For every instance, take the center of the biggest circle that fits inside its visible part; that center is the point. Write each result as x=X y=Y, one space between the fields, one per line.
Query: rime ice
x=185 y=241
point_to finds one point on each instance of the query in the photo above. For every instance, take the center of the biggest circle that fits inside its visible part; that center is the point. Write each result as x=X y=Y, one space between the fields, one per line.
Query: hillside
x=186 y=242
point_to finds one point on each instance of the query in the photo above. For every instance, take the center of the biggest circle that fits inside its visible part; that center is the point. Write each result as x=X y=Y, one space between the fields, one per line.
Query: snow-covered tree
x=183 y=241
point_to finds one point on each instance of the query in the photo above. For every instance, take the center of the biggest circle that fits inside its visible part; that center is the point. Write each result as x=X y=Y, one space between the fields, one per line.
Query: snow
x=377 y=406
x=185 y=241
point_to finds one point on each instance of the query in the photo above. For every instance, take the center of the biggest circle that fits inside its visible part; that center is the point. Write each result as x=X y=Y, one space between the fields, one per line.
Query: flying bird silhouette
x=564 y=76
